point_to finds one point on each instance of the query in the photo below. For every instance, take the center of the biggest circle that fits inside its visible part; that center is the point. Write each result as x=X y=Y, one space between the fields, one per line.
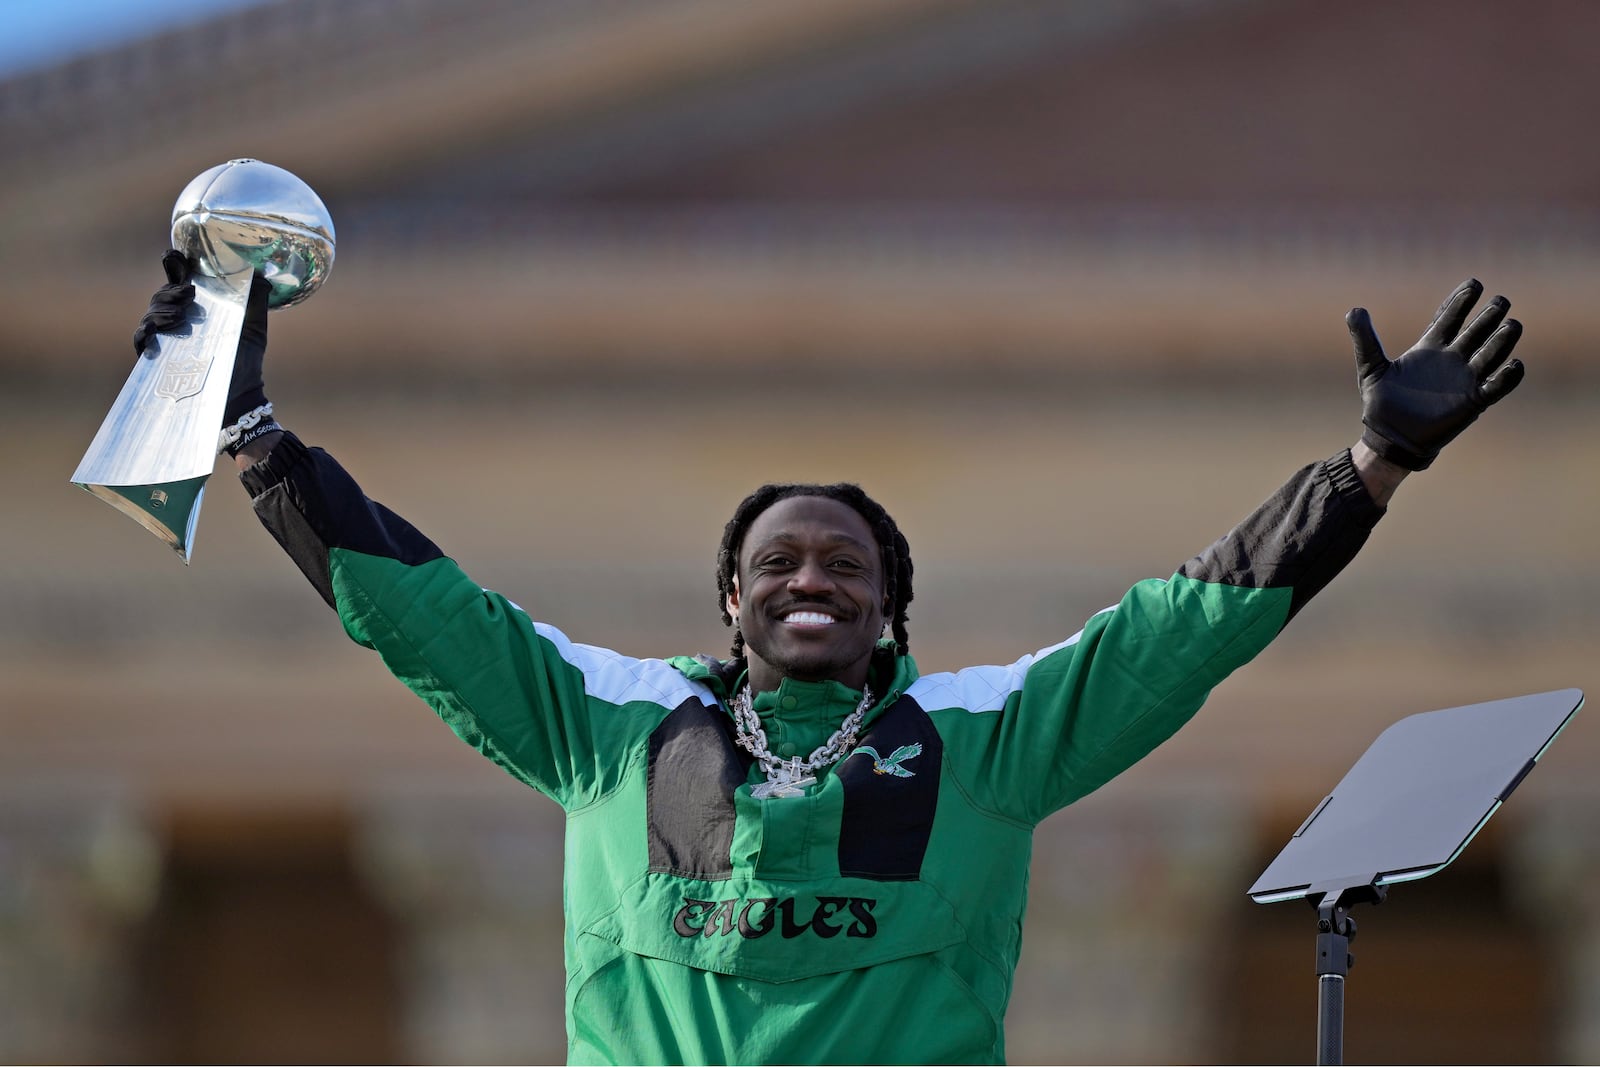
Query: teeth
x=808 y=618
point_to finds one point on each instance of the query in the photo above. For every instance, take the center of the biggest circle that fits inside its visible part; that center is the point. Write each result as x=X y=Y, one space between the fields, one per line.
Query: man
x=808 y=852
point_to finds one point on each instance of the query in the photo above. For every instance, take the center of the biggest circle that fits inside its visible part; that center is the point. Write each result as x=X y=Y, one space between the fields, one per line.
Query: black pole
x=1335 y=930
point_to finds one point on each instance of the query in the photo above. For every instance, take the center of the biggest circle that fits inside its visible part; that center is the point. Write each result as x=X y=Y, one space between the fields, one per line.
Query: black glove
x=169 y=307
x=169 y=312
x=1413 y=406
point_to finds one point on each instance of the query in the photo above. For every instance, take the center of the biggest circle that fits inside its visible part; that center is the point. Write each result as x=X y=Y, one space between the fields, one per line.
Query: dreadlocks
x=892 y=548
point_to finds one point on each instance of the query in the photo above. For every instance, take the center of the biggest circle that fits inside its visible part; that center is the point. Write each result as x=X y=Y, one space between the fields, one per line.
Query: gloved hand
x=169 y=310
x=1415 y=405
x=169 y=307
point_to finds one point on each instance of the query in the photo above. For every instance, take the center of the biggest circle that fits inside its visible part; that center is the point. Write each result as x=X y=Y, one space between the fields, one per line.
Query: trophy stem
x=158 y=445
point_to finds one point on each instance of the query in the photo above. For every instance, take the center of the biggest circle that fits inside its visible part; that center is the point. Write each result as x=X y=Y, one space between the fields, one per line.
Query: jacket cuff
x=285 y=456
x=1347 y=485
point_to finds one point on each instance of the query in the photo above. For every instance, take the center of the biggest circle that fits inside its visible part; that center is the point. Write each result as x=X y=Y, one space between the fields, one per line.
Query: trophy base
x=167 y=509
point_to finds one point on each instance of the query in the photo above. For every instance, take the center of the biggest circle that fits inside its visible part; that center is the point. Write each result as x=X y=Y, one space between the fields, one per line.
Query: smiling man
x=818 y=594
x=809 y=852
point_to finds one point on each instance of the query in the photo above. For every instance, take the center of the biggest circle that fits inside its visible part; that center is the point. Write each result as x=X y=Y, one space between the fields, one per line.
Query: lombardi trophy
x=158 y=445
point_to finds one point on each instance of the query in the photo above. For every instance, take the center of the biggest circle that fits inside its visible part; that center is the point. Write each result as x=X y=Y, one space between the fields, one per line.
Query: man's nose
x=811 y=577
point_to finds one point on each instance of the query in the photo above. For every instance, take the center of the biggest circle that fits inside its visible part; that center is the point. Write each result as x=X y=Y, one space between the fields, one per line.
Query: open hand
x=1415 y=405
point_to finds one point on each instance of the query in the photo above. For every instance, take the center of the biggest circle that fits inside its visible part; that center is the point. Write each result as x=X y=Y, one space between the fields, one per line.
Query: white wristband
x=248 y=421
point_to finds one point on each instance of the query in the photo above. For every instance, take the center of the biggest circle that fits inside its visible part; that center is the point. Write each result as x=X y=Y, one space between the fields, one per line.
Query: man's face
x=808 y=593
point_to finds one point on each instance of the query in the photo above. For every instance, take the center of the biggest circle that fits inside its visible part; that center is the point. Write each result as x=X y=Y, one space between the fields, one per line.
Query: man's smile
x=807 y=619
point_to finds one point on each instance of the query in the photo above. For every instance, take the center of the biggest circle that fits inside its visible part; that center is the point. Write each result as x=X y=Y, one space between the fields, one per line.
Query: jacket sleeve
x=1059 y=723
x=555 y=714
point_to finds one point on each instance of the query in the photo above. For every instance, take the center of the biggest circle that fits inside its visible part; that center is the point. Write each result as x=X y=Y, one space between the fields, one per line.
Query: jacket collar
x=892 y=674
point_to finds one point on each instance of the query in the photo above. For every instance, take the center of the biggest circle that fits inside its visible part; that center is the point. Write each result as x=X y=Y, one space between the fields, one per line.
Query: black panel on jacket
x=1300 y=537
x=311 y=505
x=890 y=795
x=693 y=772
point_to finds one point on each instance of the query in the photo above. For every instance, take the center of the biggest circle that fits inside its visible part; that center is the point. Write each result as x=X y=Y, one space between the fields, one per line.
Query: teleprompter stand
x=1335 y=930
x=1405 y=810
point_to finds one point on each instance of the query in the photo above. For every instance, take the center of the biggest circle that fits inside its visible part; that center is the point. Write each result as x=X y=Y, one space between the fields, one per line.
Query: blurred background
x=1062 y=284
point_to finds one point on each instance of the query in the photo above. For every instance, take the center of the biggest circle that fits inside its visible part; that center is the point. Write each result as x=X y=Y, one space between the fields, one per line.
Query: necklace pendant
x=789 y=778
x=784 y=784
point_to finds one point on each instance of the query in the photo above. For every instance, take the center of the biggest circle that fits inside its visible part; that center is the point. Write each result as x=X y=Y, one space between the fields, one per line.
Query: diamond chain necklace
x=785 y=778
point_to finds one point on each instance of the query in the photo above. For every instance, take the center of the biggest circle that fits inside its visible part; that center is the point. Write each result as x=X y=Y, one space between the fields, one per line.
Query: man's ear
x=732 y=602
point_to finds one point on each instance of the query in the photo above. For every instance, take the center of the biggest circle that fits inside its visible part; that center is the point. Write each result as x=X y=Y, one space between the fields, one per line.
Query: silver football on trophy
x=245 y=215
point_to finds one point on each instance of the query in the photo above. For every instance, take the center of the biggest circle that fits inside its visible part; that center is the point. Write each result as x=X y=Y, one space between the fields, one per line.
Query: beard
x=810 y=661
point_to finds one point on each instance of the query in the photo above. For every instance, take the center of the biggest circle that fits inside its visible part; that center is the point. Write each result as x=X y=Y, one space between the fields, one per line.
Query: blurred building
x=605 y=266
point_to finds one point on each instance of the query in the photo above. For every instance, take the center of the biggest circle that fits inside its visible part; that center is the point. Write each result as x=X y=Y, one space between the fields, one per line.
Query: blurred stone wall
x=687 y=262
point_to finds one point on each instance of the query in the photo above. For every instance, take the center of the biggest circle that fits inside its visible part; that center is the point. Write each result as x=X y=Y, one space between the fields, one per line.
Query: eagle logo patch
x=893 y=763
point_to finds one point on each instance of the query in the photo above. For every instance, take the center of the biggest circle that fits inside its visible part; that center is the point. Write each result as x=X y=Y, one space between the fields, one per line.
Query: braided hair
x=893 y=550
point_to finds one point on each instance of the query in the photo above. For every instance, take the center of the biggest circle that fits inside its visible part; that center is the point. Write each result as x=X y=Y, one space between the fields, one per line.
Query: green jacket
x=879 y=917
